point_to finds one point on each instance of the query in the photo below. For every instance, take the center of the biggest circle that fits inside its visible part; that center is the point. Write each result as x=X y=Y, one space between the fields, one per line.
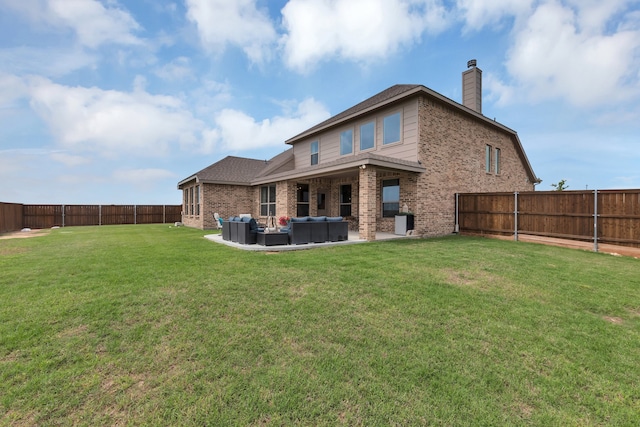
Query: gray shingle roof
x=280 y=163
x=244 y=171
x=230 y=170
x=347 y=162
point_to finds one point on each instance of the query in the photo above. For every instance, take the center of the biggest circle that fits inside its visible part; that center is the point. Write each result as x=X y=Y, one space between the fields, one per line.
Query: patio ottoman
x=272 y=239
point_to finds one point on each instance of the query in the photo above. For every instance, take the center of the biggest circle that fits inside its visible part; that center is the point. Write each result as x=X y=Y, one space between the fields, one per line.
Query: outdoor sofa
x=317 y=229
x=301 y=230
x=241 y=230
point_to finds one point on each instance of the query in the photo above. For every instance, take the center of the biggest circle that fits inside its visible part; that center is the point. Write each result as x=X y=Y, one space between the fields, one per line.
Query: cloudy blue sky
x=115 y=101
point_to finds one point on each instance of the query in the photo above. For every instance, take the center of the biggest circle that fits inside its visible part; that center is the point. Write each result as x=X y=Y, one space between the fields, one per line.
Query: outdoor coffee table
x=272 y=239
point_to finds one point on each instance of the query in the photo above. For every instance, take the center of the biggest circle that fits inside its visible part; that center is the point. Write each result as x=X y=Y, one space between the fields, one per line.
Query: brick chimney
x=472 y=87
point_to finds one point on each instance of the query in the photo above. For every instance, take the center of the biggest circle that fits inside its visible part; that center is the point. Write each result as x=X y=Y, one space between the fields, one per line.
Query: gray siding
x=329 y=141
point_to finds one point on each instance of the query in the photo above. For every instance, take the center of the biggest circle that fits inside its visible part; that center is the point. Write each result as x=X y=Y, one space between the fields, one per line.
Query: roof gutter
x=191 y=178
x=340 y=167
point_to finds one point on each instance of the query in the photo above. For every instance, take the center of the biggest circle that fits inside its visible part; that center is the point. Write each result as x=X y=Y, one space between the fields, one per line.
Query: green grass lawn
x=155 y=325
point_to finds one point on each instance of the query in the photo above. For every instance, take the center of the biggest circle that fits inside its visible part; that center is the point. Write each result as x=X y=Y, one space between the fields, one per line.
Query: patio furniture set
x=300 y=230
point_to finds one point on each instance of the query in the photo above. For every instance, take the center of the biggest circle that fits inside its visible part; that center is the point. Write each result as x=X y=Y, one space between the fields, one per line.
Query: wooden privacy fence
x=599 y=216
x=46 y=216
x=10 y=217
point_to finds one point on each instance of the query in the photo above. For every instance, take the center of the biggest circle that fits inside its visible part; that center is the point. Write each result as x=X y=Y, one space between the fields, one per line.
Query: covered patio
x=349 y=187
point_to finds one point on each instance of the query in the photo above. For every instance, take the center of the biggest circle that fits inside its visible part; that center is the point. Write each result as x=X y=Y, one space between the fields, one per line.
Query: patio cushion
x=318 y=218
x=300 y=219
x=246 y=219
x=334 y=218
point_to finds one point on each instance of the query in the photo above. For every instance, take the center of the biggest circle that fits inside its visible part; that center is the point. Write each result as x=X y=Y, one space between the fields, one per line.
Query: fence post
x=595 y=220
x=515 y=216
x=99 y=214
x=63 y=209
x=457 y=226
x=164 y=214
x=135 y=214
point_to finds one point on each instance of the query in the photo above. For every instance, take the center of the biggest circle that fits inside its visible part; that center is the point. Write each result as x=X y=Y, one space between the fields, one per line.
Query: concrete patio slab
x=353 y=238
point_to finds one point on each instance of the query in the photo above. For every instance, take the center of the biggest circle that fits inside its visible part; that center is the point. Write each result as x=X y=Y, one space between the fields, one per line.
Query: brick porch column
x=367 y=204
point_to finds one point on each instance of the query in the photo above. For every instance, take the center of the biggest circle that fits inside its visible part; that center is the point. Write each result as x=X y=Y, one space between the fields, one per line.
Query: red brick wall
x=453 y=151
x=451 y=148
x=226 y=200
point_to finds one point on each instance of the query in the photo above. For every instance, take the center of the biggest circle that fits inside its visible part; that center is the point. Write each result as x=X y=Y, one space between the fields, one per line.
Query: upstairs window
x=497 y=162
x=314 y=153
x=487 y=158
x=367 y=136
x=391 y=131
x=346 y=142
x=390 y=197
x=268 y=200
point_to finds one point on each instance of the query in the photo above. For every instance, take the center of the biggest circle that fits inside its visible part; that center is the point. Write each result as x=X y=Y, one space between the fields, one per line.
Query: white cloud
x=50 y=61
x=70 y=160
x=178 y=69
x=592 y=15
x=145 y=179
x=112 y=122
x=13 y=160
x=478 y=14
x=12 y=89
x=238 y=131
x=92 y=22
x=148 y=175
x=497 y=91
x=572 y=51
x=358 y=30
x=20 y=173
x=238 y=22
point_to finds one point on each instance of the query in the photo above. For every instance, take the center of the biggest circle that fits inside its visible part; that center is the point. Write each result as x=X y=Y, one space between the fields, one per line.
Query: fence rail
x=15 y=216
x=599 y=216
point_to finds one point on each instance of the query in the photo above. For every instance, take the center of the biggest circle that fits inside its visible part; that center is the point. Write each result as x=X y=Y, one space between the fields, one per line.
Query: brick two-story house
x=407 y=145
